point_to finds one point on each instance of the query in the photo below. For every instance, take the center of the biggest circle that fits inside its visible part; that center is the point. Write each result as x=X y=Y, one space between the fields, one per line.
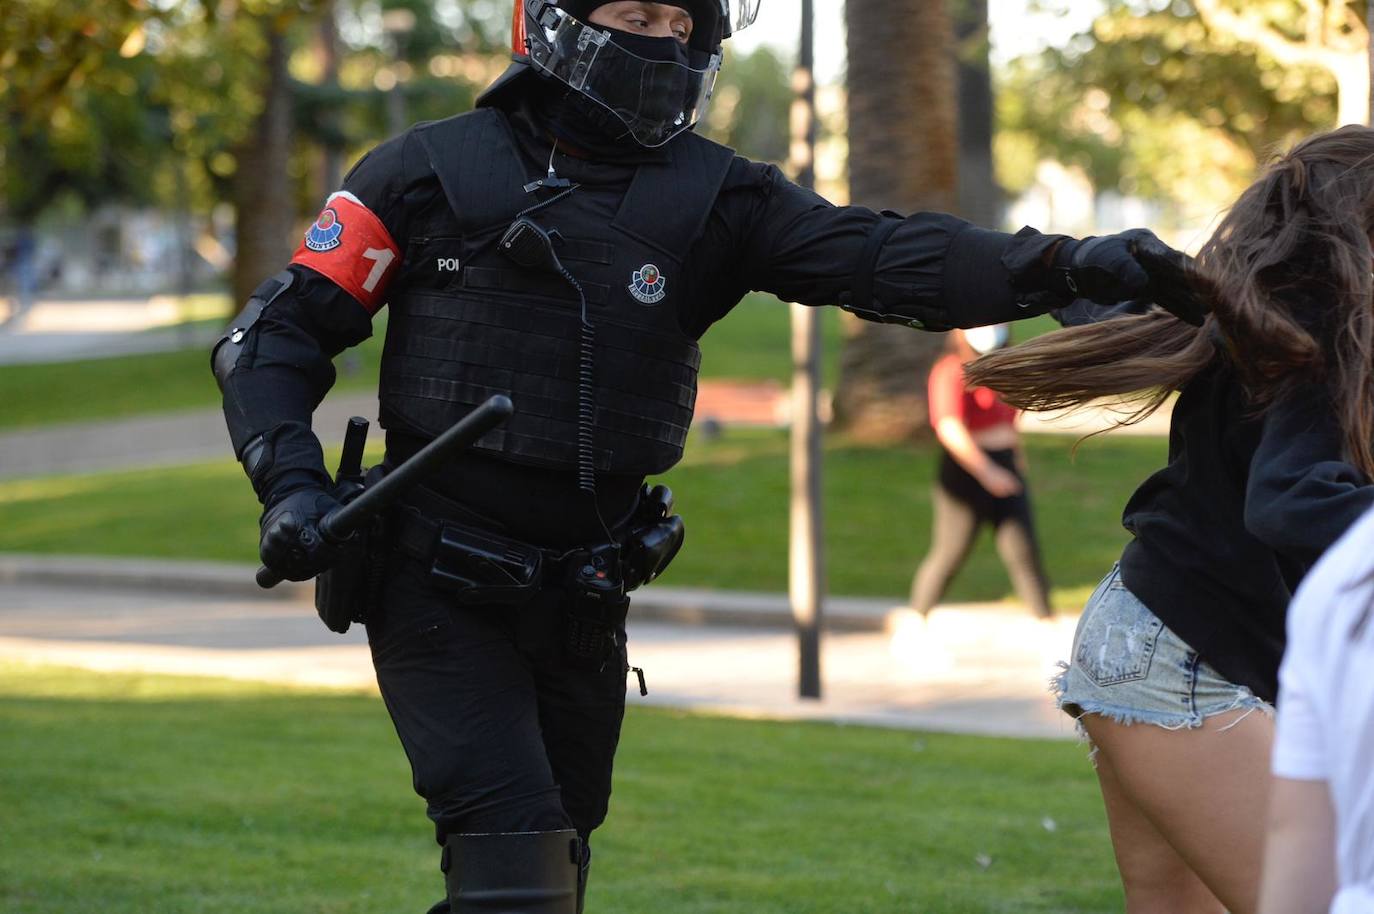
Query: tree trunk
x=903 y=155
x=980 y=199
x=263 y=214
x=331 y=155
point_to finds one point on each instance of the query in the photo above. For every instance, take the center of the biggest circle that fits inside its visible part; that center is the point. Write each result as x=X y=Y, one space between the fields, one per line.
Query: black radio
x=596 y=605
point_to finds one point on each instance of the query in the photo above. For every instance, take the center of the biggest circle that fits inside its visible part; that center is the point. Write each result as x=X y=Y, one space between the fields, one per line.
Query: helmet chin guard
x=654 y=98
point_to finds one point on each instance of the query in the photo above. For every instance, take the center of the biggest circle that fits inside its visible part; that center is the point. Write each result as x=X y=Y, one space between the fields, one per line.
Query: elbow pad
x=225 y=356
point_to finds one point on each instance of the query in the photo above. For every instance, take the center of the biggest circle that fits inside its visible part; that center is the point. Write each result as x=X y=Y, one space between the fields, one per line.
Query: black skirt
x=961 y=485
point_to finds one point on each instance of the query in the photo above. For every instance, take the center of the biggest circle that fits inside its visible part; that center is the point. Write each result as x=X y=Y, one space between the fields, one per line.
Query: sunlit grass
x=733 y=492
x=751 y=344
x=129 y=794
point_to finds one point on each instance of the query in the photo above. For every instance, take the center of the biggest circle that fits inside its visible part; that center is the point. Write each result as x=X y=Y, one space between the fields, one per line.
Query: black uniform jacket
x=764 y=233
x=1248 y=502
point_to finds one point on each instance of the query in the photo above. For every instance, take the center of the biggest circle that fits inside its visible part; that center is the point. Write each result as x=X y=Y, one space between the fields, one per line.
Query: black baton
x=342 y=522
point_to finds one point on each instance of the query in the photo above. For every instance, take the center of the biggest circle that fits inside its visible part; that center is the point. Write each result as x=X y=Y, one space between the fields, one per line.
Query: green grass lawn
x=752 y=344
x=131 y=794
x=733 y=492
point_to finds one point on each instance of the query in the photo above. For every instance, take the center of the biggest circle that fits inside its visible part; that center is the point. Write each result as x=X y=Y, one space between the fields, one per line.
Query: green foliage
x=749 y=111
x=101 y=102
x=70 y=106
x=1152 y=102
x=131 y=793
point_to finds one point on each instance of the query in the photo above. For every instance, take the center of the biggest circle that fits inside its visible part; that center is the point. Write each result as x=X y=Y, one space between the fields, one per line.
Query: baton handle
x=342 y=522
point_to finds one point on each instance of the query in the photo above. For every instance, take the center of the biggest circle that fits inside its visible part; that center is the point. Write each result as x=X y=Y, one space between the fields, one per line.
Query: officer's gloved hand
x=291 y=544
x=1129 y=265
x=1176 y=285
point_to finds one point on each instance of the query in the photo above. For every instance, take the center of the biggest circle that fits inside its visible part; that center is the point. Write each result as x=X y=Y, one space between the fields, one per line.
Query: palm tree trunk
x=903 y=155
x=980 y=199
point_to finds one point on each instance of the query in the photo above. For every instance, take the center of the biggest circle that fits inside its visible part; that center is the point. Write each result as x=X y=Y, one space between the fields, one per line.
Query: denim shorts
x=1128 y=666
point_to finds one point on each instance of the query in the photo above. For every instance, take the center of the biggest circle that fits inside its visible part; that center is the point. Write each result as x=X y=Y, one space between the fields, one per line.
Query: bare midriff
x=1001 y=437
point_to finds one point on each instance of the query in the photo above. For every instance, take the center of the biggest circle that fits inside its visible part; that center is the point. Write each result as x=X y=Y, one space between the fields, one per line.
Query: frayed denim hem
x=1244 y=700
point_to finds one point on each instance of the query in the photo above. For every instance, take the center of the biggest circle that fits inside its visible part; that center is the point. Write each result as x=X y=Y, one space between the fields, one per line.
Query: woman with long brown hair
x=1271 y=452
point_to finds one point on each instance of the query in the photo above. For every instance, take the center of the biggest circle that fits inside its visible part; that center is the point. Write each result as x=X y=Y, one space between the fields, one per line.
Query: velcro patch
x=349 y=245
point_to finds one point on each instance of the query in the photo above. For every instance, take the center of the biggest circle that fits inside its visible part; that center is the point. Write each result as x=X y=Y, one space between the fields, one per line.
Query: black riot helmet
x=654 y=88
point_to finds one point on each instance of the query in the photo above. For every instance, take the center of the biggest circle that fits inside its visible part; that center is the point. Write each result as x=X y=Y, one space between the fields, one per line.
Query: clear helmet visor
x=741 y=13
x=655 y=99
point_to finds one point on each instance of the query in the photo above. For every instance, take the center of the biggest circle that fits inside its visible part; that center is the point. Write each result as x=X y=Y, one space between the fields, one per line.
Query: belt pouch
x=350 y=590
x=346 y=592
x=480 y=567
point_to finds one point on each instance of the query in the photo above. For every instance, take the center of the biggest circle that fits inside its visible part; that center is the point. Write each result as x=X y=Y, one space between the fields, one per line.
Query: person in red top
x=981 y=479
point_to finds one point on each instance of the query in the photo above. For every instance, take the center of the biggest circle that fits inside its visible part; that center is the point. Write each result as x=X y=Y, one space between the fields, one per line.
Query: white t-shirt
x=1326 y=704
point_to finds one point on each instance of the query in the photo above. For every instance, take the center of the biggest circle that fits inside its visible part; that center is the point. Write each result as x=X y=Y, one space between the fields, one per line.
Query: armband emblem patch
x=350 y=246
x=325 y=234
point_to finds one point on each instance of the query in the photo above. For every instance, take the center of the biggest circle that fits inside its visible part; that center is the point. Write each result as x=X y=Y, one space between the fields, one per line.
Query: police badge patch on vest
x=648 y=285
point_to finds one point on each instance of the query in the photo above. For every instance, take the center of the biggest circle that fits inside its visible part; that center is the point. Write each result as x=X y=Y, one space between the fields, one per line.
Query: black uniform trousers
x=502 y=735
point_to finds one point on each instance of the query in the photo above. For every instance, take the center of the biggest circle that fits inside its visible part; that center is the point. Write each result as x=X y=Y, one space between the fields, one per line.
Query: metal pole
x=806 y=557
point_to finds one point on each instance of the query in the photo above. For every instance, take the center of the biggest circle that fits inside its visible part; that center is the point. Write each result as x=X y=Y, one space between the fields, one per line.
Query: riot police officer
x=566 y=244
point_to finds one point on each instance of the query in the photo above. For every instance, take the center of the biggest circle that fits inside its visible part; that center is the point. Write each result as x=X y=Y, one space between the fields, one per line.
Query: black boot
x=524 y=873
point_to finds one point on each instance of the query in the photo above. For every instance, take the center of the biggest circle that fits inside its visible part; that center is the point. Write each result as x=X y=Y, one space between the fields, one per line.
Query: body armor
x=466 y=322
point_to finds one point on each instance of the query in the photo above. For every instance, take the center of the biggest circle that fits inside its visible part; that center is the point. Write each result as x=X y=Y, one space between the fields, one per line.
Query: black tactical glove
x=291 y=543
x=1129 y=265
x=1102 y=269
x=1175 y=283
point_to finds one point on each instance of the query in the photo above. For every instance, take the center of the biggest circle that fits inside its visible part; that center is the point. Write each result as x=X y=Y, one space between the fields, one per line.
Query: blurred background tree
x=257 y=105
x=236 y=117
x=1161 y=110
x=1177 y=102
x=920 y=135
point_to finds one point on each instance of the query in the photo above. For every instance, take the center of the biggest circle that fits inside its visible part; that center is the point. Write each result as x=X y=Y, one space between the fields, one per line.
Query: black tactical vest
x=466 y=322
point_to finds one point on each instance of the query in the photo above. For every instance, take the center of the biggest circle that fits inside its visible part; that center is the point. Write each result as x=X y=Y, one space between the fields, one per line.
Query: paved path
x=65 y=330
x=167 y=439
x=164 y=439
x=974 y=670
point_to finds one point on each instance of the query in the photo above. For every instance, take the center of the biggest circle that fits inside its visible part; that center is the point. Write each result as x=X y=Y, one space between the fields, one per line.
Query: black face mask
x=589 y=125
x=576 y=120
x=661 y=100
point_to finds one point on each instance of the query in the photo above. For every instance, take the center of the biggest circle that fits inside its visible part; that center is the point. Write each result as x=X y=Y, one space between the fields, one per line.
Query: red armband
x=349 y=245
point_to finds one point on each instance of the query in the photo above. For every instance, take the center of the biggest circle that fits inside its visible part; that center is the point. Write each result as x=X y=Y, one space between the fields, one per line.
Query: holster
x=476 y=566
x=351 y=590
